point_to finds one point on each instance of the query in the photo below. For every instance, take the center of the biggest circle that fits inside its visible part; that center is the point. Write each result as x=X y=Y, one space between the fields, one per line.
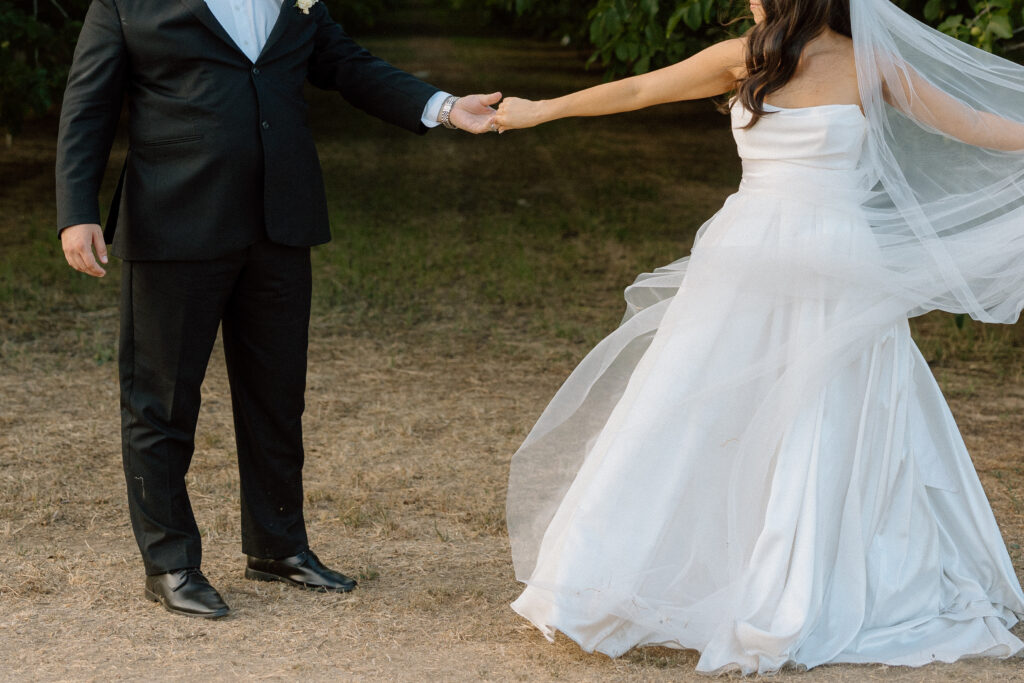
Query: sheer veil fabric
x=757 y=463
x=948 y=209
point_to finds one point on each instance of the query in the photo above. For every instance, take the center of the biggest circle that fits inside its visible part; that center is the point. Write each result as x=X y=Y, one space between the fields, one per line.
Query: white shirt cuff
x=433 y=109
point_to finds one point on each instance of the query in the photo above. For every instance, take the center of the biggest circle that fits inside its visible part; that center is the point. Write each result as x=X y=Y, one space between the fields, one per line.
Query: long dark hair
x=774 y=46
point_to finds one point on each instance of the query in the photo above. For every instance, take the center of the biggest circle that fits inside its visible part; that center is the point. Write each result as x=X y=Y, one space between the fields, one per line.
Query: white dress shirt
x=249 y=23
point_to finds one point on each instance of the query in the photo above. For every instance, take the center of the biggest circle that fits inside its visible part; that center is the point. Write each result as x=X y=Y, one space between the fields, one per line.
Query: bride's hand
x=514 y=112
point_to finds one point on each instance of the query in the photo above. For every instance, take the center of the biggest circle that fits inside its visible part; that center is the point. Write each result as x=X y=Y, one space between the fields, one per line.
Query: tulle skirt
x=758 y=464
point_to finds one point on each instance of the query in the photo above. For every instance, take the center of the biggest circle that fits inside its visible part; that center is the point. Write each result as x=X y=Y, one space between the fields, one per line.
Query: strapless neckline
x=813 y=107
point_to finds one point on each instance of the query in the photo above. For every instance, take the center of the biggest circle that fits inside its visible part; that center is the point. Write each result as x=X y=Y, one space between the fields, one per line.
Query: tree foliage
x=36 y=45
x=988 y=24
x=357 y=15
x=544 y=18
x=633 y=36
x=37 y=37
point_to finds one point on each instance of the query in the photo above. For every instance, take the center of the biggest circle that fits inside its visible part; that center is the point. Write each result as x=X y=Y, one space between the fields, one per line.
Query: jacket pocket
x=160 y=142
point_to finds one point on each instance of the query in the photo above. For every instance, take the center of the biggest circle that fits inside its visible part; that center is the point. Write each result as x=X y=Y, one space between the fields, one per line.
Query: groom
x=218 y=204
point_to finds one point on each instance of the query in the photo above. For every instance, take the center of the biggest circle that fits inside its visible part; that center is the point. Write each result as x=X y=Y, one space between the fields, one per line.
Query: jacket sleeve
x=373 y=85
x=89 y=114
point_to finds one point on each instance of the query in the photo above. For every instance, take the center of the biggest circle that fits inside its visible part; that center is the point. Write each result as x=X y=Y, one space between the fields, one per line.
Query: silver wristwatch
x=445 y=117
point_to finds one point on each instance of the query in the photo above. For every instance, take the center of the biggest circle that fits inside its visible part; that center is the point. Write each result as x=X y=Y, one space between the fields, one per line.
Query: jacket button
x=255 y=71
x=266 y=125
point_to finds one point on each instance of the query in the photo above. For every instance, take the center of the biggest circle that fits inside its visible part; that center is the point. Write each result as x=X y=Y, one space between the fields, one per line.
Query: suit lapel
x=284 y=19
x=203 y=14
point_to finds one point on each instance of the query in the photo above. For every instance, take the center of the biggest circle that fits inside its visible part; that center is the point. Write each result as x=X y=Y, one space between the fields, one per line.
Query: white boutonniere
x=304 y=5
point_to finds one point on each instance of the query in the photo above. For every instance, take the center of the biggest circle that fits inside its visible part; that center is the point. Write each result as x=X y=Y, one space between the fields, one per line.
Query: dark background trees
x=633 y=36
x=622 y=36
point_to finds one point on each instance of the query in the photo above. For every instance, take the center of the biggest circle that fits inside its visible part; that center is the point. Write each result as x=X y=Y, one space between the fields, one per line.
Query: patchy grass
x=466 y=278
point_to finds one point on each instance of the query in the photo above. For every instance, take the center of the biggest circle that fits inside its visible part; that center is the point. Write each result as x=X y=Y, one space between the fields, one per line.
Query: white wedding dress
x=758 y=464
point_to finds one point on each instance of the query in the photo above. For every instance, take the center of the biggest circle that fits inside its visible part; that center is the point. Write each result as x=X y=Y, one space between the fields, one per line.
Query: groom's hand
x=475 y=113
x=78 y=242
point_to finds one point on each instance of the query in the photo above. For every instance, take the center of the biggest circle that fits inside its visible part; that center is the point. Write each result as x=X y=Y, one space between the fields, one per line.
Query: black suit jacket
x=220 y=154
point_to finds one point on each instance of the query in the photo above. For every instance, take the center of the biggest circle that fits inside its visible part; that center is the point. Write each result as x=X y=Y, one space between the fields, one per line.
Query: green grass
x=532 y=228
x=534 y=231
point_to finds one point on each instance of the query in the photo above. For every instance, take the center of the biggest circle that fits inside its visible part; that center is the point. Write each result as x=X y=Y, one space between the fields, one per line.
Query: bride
x=758 y=464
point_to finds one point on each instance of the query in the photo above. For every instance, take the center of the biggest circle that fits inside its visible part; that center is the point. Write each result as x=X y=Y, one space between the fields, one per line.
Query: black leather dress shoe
x=186 y=591
x=304 y=570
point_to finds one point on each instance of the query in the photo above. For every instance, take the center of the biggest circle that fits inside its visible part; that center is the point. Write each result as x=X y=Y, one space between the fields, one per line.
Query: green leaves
x=35 y=54
x=934 y=9
x=988 y=24
x=356 y=15
x=634 y=36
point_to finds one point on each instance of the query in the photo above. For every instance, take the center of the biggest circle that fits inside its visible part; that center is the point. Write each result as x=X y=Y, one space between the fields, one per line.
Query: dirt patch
x=408 y=444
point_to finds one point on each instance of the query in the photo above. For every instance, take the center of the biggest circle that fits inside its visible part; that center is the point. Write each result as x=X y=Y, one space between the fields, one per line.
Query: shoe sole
x=257 y=575
x=153 y=597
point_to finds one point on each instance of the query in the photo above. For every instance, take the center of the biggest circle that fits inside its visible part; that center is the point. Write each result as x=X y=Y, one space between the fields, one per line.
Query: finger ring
x=494 y=128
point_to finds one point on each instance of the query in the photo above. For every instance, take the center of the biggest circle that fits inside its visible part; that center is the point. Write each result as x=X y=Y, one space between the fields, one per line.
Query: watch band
x=446 y=112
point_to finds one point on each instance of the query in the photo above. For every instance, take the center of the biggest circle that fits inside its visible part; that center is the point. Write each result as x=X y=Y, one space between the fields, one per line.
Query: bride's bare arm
x=711 y=72
x=912 y=94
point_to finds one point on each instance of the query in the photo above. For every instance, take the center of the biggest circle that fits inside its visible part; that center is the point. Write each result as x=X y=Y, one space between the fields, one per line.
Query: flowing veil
x=941 y=190
x=949 y=215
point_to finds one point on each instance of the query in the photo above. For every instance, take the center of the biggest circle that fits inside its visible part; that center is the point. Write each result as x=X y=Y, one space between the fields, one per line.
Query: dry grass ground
x=408 y=448
x=416 y=401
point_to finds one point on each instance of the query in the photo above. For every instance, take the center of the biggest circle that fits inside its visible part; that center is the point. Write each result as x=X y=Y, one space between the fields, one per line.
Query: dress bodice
x=799 y=152
x=824 y=137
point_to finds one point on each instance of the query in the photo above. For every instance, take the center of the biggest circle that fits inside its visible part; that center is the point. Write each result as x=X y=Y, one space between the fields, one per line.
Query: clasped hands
x=476 y=113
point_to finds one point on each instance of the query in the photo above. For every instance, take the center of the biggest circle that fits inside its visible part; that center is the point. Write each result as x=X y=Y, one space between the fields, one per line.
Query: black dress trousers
x=170 y=312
